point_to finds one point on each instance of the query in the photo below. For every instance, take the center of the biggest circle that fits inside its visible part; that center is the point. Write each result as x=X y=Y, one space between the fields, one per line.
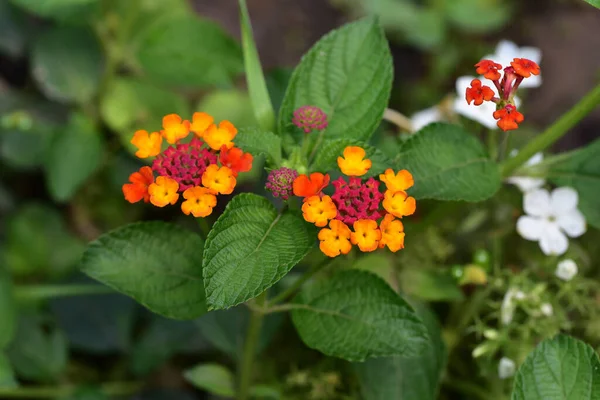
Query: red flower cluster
x=506 y=111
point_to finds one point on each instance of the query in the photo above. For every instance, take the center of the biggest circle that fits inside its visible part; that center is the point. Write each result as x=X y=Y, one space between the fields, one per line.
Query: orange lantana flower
x=335 y=240
x=399 y=203
x=200 y=123
x=366 y=235
x=525 y=67
x=223 y=135
x=318 y=210
x=392 y=233
x=235 y=159
x=219 y=179
x=174 y=128
x=489 y=69
x=305 y=186
x=163 y=191
x=477 y=93
x=200 y=201
x=396 y=182
x=138 y=188
x=508 y=118
x=354 y=163
x=148 y=144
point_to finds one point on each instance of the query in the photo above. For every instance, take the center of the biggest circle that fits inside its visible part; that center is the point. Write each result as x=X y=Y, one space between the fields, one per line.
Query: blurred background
x=78 y=77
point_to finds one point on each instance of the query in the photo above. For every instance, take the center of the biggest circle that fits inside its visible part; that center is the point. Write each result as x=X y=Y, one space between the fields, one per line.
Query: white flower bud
x=566 y=270
x=547 y=309
x=506 y=368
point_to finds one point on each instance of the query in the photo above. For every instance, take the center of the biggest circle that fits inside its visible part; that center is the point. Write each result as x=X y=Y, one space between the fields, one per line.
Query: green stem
x=204 y=227
x=52 y=392
x=557 y=130
x=252 y=338
x=299 y=282
x=40 y=292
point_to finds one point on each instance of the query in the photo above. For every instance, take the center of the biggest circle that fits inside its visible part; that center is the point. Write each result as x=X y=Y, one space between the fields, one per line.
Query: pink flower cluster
x=310 y=118
x=185 y=163
x=356 y=200
x=280 y=181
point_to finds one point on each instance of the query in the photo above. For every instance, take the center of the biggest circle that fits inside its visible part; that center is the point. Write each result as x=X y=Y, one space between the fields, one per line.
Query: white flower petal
x=482 y=114
x=526 y=184
x=547 y=309
x=507 y=309
x=462 y=83
x=425 y=117
x=506 y=368
x=537 y=203
x=505 y=52
x=535 y=159
x=563 y=200
x=530 y=228
x=566 y=270
x=572 y=222
x=531 y=53
x=553 y=241
x=532 y=82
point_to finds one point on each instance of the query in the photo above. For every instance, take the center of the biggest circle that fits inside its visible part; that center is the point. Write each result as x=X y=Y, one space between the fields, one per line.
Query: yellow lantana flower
x=148 y=144
x=163 y=191
x=200 y=201
x=366 y=235
x=219 y=179
x=318 y=210
x=354 y=163
x=336 y=239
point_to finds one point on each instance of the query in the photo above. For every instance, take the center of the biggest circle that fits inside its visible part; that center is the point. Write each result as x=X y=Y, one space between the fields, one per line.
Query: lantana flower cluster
x=199 y=169
x=357 y=213
x=506 y=85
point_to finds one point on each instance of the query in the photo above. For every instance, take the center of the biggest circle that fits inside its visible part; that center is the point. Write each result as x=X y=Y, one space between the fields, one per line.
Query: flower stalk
x=557 y=130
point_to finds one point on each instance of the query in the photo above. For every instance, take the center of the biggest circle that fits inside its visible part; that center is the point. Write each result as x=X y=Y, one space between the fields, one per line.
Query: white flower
x=547 y=309
x=526 y=183
x=483 y=113
x=566 y=270
x=509 y=305
x=507 y=51
x=550 y=218
x=506 y=368
x=425 y=117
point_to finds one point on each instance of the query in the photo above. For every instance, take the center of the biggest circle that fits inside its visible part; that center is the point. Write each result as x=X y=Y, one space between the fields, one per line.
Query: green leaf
x=400 y=378
x=189 y=52
x=356 y=315
x=8 y=311
x=430 y=285
x=214 y=378
x=250 y=248
x=25 y=149
x=348 y=74
x=129 y=105
x=580 y=169
x=13 y=36
x=67 y=63
x=330 y=150
x=595 y=3
x=73 y=156
x=39 y=243
x=448 y=163
x=58 y=9
x=562 y=368
x=479 y=16
x=156 y=263
x=36 y=353
x=257 y=142
x=261 y=102
x=7 y=375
